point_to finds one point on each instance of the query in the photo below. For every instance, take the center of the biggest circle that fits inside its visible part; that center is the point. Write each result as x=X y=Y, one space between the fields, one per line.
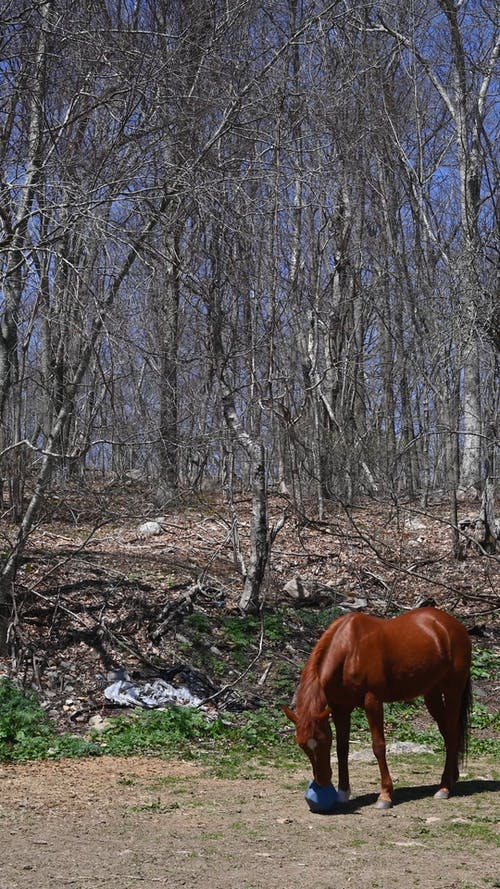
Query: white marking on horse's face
x=312 y=743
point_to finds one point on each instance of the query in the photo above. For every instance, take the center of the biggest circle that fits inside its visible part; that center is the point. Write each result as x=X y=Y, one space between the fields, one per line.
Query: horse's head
x=314 y=735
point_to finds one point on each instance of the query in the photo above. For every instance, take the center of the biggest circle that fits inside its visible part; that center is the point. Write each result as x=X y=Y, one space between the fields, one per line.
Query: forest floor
x=96 y=596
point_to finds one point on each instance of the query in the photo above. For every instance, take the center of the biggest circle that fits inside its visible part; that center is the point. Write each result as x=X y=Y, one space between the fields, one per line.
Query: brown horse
x=362 y=661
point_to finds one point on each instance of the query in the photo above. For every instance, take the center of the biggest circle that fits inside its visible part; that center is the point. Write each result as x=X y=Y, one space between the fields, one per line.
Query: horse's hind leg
x=342 y=720
x=445 y=709
x=374 y=710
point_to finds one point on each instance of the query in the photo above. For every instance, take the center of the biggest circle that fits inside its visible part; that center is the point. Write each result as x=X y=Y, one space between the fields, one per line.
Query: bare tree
x=267 y=237
x=464 y=94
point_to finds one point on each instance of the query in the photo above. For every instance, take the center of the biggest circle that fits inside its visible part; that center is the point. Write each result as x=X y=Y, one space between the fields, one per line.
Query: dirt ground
x=125 y=823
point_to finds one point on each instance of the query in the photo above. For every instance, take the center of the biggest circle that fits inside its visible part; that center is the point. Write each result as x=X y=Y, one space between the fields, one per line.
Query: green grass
x=156 y=808
x=317 y=621
x=27 y=733
x=245 y=744
x=277 y=627
x=198 y=621
x=485 y=664
x=469 y=831
x=239 y=632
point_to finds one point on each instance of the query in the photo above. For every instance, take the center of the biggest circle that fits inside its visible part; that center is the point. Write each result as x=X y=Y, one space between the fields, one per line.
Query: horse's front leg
x=342 y=720
x=374 y=710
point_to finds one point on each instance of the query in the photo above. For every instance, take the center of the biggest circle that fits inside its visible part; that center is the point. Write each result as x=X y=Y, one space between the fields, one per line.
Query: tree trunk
x=16 y=227
x=168 y=488
x=470 y=471
x=259 y=540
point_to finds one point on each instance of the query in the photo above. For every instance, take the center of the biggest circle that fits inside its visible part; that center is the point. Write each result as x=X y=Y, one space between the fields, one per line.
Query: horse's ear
x=290 y=713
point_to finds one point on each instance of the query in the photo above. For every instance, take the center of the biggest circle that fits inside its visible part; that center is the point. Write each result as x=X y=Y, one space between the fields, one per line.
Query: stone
x=295 y=589
x=149 y=529
x=98 y=723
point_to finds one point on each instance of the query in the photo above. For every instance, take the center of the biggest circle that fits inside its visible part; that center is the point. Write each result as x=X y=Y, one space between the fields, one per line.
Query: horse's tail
x=464 y=721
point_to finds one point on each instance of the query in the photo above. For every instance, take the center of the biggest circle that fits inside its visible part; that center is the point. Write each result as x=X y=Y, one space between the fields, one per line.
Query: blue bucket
x=321 y=798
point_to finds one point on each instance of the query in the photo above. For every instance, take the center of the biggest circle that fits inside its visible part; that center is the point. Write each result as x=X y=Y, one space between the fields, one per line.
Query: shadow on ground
x=416 y=792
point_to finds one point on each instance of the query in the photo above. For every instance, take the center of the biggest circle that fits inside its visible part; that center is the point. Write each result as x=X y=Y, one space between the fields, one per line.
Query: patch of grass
x=258 y=740
x=242 y=631
x=466 y=831
x=175 y=730
x=22 y=721
x=484 y=747
x=71 y=746
x=239 y=632
x=285 y=677
x=199 y=622
x=401 y=725
x=26 y=732
x=173 y=782
x=473 y=830
x=360 y=735
x=485 y=664
x=218 y=667
x=127 y=782
x=483 y=720
x=156 y=807
x=244 y=745
x=318 y=621
x=240 y=637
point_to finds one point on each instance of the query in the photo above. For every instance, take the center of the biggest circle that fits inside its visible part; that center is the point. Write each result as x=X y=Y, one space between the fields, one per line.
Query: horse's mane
x=311 y=698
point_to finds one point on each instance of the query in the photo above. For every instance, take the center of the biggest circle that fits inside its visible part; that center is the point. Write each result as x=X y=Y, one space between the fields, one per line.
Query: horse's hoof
x=383 y=804
x=343 y=796
x=442 y=794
